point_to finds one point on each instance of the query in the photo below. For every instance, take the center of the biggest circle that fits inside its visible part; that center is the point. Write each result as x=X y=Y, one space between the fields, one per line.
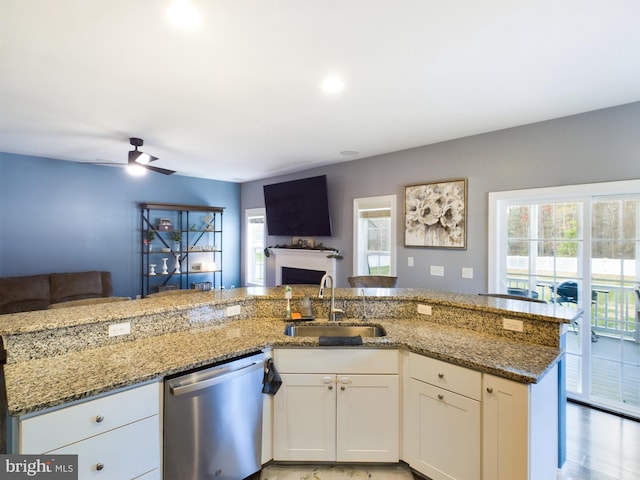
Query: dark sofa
x=39 y=292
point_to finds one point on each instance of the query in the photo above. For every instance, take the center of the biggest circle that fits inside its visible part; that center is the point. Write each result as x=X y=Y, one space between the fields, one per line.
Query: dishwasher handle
x=217 y=376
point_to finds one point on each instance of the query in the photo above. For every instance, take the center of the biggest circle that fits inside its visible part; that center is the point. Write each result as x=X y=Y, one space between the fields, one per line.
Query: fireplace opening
x=301 y=276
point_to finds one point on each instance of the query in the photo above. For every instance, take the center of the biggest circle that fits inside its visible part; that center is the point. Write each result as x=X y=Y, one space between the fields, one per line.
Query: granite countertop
x=46 y=382
x=58 y=318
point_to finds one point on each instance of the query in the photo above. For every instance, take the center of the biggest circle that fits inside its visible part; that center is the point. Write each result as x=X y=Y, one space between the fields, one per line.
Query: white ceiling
x=238 y=99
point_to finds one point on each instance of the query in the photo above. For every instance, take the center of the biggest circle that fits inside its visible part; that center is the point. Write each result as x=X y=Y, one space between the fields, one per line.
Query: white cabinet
x=117 y=435
x=337 y=405
x=520 y=428
x=443 y=421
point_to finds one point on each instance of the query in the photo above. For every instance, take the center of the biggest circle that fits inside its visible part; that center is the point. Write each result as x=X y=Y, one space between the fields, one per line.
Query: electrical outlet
x=233 y=310
x=437 y=271
x=467 y=272
x=512 y=324
x=410 y=261
x=424 y=309
x=116 y=329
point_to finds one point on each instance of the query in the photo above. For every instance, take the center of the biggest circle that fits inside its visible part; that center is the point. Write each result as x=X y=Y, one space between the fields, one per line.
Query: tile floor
x=336 y=472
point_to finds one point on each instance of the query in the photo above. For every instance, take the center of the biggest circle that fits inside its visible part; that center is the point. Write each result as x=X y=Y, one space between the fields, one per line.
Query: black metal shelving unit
x=195 y=261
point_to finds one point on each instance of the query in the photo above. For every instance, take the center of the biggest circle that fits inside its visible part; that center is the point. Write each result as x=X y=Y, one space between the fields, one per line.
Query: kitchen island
x=57 y=356
x=119 y=353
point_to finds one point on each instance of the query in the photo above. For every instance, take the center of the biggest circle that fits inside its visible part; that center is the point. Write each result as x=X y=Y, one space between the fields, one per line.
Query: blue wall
x=59 y=216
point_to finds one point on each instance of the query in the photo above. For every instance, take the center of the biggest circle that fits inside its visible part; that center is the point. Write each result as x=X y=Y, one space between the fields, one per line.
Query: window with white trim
x=255 y=243
x=374 y=239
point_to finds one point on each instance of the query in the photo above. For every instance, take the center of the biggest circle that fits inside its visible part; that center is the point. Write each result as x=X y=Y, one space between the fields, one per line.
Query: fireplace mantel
x=305 y=259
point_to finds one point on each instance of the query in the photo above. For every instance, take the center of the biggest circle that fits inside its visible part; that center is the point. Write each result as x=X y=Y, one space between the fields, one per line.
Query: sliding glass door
x=575 y=247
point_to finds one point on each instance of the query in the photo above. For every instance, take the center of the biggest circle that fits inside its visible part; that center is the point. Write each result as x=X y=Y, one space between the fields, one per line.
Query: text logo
x=49 y=467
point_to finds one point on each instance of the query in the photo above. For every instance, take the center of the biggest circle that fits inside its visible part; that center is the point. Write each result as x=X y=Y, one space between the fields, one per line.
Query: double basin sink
x=328 y=330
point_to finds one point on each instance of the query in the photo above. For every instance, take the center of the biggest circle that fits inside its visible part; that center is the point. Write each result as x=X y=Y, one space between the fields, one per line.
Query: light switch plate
x=467 y=272
x=410 y=261
x=437 y=271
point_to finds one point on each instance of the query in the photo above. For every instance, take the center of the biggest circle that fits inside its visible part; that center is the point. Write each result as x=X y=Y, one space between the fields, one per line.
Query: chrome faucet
x=332 y=309
x=364 y=305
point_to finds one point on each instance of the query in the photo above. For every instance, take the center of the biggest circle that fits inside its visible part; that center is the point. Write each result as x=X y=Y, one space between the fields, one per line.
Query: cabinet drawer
x=121 y=454
x=445 y=375
x=58 y=428
x=336 y=360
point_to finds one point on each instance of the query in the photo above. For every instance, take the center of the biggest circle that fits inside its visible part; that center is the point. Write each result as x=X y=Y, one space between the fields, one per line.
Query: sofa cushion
x=75 y=286
x=22 y=294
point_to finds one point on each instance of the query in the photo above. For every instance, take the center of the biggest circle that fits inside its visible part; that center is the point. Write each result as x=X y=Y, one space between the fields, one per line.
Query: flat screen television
x=298 y=208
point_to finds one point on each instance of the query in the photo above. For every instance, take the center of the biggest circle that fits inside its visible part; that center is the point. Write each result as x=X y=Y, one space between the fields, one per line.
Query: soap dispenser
x=287 y=295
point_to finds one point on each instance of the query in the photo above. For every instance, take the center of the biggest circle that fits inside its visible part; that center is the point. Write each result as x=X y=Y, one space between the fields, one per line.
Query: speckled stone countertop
x=45 y=379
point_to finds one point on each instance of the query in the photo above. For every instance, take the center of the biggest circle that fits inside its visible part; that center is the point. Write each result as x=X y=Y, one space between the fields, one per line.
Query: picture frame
x=302 y=242
x=436 y=215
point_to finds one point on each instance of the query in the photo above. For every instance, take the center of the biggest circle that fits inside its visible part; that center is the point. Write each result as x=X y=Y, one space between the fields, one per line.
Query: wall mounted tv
x=298 y=208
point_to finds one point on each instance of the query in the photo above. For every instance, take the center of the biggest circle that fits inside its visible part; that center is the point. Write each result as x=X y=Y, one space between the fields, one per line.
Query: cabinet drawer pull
x=99 y=466
x=441 y=375
x=99 y=418
x=330 y=387
x=343 y=388
x=440 y=396
x=489 y=389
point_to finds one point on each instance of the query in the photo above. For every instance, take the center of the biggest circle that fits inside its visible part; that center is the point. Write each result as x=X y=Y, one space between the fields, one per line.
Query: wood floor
x=601 y=446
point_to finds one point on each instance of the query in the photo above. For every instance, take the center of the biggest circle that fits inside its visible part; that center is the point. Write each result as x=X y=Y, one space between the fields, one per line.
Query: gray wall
x=593 y=147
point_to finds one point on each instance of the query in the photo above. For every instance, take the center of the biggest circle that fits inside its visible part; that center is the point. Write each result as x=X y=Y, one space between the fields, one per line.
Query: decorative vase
x=165 y=268
x=177 y=268
x=152 y=269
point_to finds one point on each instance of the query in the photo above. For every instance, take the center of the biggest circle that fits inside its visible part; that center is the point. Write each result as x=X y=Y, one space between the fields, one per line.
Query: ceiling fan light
x=143 y=158
x=136 y=170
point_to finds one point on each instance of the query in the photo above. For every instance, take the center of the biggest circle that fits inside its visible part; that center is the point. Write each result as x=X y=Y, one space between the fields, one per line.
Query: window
x=255 y=243
x=374 y=239
x=578 y=246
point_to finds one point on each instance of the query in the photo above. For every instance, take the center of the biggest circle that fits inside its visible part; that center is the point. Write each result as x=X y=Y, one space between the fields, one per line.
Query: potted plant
x=177 y=238
x=151 y=234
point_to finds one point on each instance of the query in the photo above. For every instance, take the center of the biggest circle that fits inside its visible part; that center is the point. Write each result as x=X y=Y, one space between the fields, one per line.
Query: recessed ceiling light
x=349 y=152
x=332 y=84
x=183 y=14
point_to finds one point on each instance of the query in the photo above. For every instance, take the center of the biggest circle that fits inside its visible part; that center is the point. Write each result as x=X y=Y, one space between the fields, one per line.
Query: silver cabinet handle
x=99 y=466
x=489 y=389
x=99 y=418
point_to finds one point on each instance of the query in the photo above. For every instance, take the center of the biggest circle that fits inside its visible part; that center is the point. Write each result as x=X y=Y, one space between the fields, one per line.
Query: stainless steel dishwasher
x=213 y=422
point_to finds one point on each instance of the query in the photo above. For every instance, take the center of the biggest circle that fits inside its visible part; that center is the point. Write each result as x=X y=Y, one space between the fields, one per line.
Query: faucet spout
x=332 y=309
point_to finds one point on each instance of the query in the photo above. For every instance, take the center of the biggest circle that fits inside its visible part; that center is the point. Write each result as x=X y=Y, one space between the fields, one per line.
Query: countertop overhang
x=37 y=384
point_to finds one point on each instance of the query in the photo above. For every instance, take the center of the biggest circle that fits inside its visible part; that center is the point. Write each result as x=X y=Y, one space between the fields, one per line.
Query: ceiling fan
x=139 y=161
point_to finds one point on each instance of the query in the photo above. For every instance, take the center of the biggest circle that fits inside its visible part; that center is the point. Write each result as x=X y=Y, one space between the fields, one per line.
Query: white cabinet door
x=444 y=433
x=367 y=428
x=305 y=418
x=520 y=428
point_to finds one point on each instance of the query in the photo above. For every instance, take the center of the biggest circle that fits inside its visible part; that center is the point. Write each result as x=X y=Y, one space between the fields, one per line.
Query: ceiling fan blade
x=164 y=171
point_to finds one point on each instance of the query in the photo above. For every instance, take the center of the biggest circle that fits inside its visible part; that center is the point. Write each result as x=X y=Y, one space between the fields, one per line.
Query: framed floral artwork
x=435 y=215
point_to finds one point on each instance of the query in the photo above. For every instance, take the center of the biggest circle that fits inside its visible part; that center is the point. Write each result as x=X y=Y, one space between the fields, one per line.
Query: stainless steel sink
x=334 y=331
